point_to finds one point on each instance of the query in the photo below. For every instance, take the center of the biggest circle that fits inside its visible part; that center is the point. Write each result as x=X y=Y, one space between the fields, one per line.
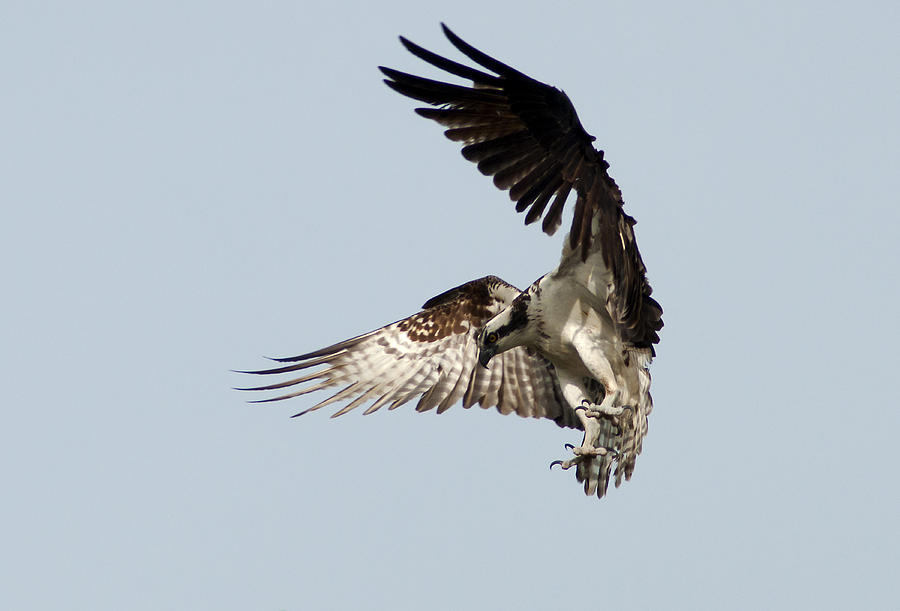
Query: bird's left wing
x=432 y=355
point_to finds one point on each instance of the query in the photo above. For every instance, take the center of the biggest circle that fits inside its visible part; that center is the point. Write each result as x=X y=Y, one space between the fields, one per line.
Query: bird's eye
x=491 y=338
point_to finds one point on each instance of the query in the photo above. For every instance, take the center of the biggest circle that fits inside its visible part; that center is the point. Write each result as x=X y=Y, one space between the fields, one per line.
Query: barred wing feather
x=431 y=355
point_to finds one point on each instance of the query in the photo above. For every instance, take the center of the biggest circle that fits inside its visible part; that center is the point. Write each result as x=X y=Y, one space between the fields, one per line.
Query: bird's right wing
x=527 y=135
x=432 y=355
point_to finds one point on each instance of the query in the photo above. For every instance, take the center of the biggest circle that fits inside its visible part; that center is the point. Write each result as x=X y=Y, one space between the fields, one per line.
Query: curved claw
x=569 y=447
x=565 y=465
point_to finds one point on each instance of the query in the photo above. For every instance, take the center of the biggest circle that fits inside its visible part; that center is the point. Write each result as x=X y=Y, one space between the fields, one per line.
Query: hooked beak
x=484 y=356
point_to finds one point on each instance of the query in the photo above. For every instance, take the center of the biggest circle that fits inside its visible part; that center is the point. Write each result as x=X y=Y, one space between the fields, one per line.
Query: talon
x=582 y=453
x=593 y=452
x=565 y=465
x=606 y=412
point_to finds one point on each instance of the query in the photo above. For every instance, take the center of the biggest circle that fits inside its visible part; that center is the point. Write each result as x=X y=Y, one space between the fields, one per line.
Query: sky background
x=189 y=186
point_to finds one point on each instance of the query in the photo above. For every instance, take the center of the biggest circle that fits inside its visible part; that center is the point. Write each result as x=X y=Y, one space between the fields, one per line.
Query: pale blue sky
x=188 y=186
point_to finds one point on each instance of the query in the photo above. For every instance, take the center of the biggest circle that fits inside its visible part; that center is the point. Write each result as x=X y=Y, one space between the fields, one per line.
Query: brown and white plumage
x=431 y=355
x=575 y=347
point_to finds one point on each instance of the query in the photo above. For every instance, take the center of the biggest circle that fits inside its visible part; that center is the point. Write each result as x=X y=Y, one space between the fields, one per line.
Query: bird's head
x=506 y=330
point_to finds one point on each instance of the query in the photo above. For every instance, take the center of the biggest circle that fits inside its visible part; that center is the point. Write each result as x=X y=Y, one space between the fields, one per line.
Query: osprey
x=575 y=346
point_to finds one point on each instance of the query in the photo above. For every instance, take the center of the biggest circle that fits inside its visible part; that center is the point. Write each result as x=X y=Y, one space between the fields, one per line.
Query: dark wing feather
x=527 y=135
x=431 y=355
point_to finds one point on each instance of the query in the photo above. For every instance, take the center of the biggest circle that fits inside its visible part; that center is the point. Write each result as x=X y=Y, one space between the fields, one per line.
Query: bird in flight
x=574 y=347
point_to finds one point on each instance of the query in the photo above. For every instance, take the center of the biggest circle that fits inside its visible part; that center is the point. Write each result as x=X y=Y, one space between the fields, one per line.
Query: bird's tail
x=594 y=474
x=624 y=438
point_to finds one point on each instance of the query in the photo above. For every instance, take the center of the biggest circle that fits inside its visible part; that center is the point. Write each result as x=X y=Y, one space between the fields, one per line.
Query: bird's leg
x=574 y=392
x=598 y=365
x=607 y=407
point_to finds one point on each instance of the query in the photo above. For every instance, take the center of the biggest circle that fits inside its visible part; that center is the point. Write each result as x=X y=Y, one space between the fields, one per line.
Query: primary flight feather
x=575 y=346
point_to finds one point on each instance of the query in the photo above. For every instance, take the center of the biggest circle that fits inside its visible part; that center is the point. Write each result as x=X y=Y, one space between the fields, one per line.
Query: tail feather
x=595 y=473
